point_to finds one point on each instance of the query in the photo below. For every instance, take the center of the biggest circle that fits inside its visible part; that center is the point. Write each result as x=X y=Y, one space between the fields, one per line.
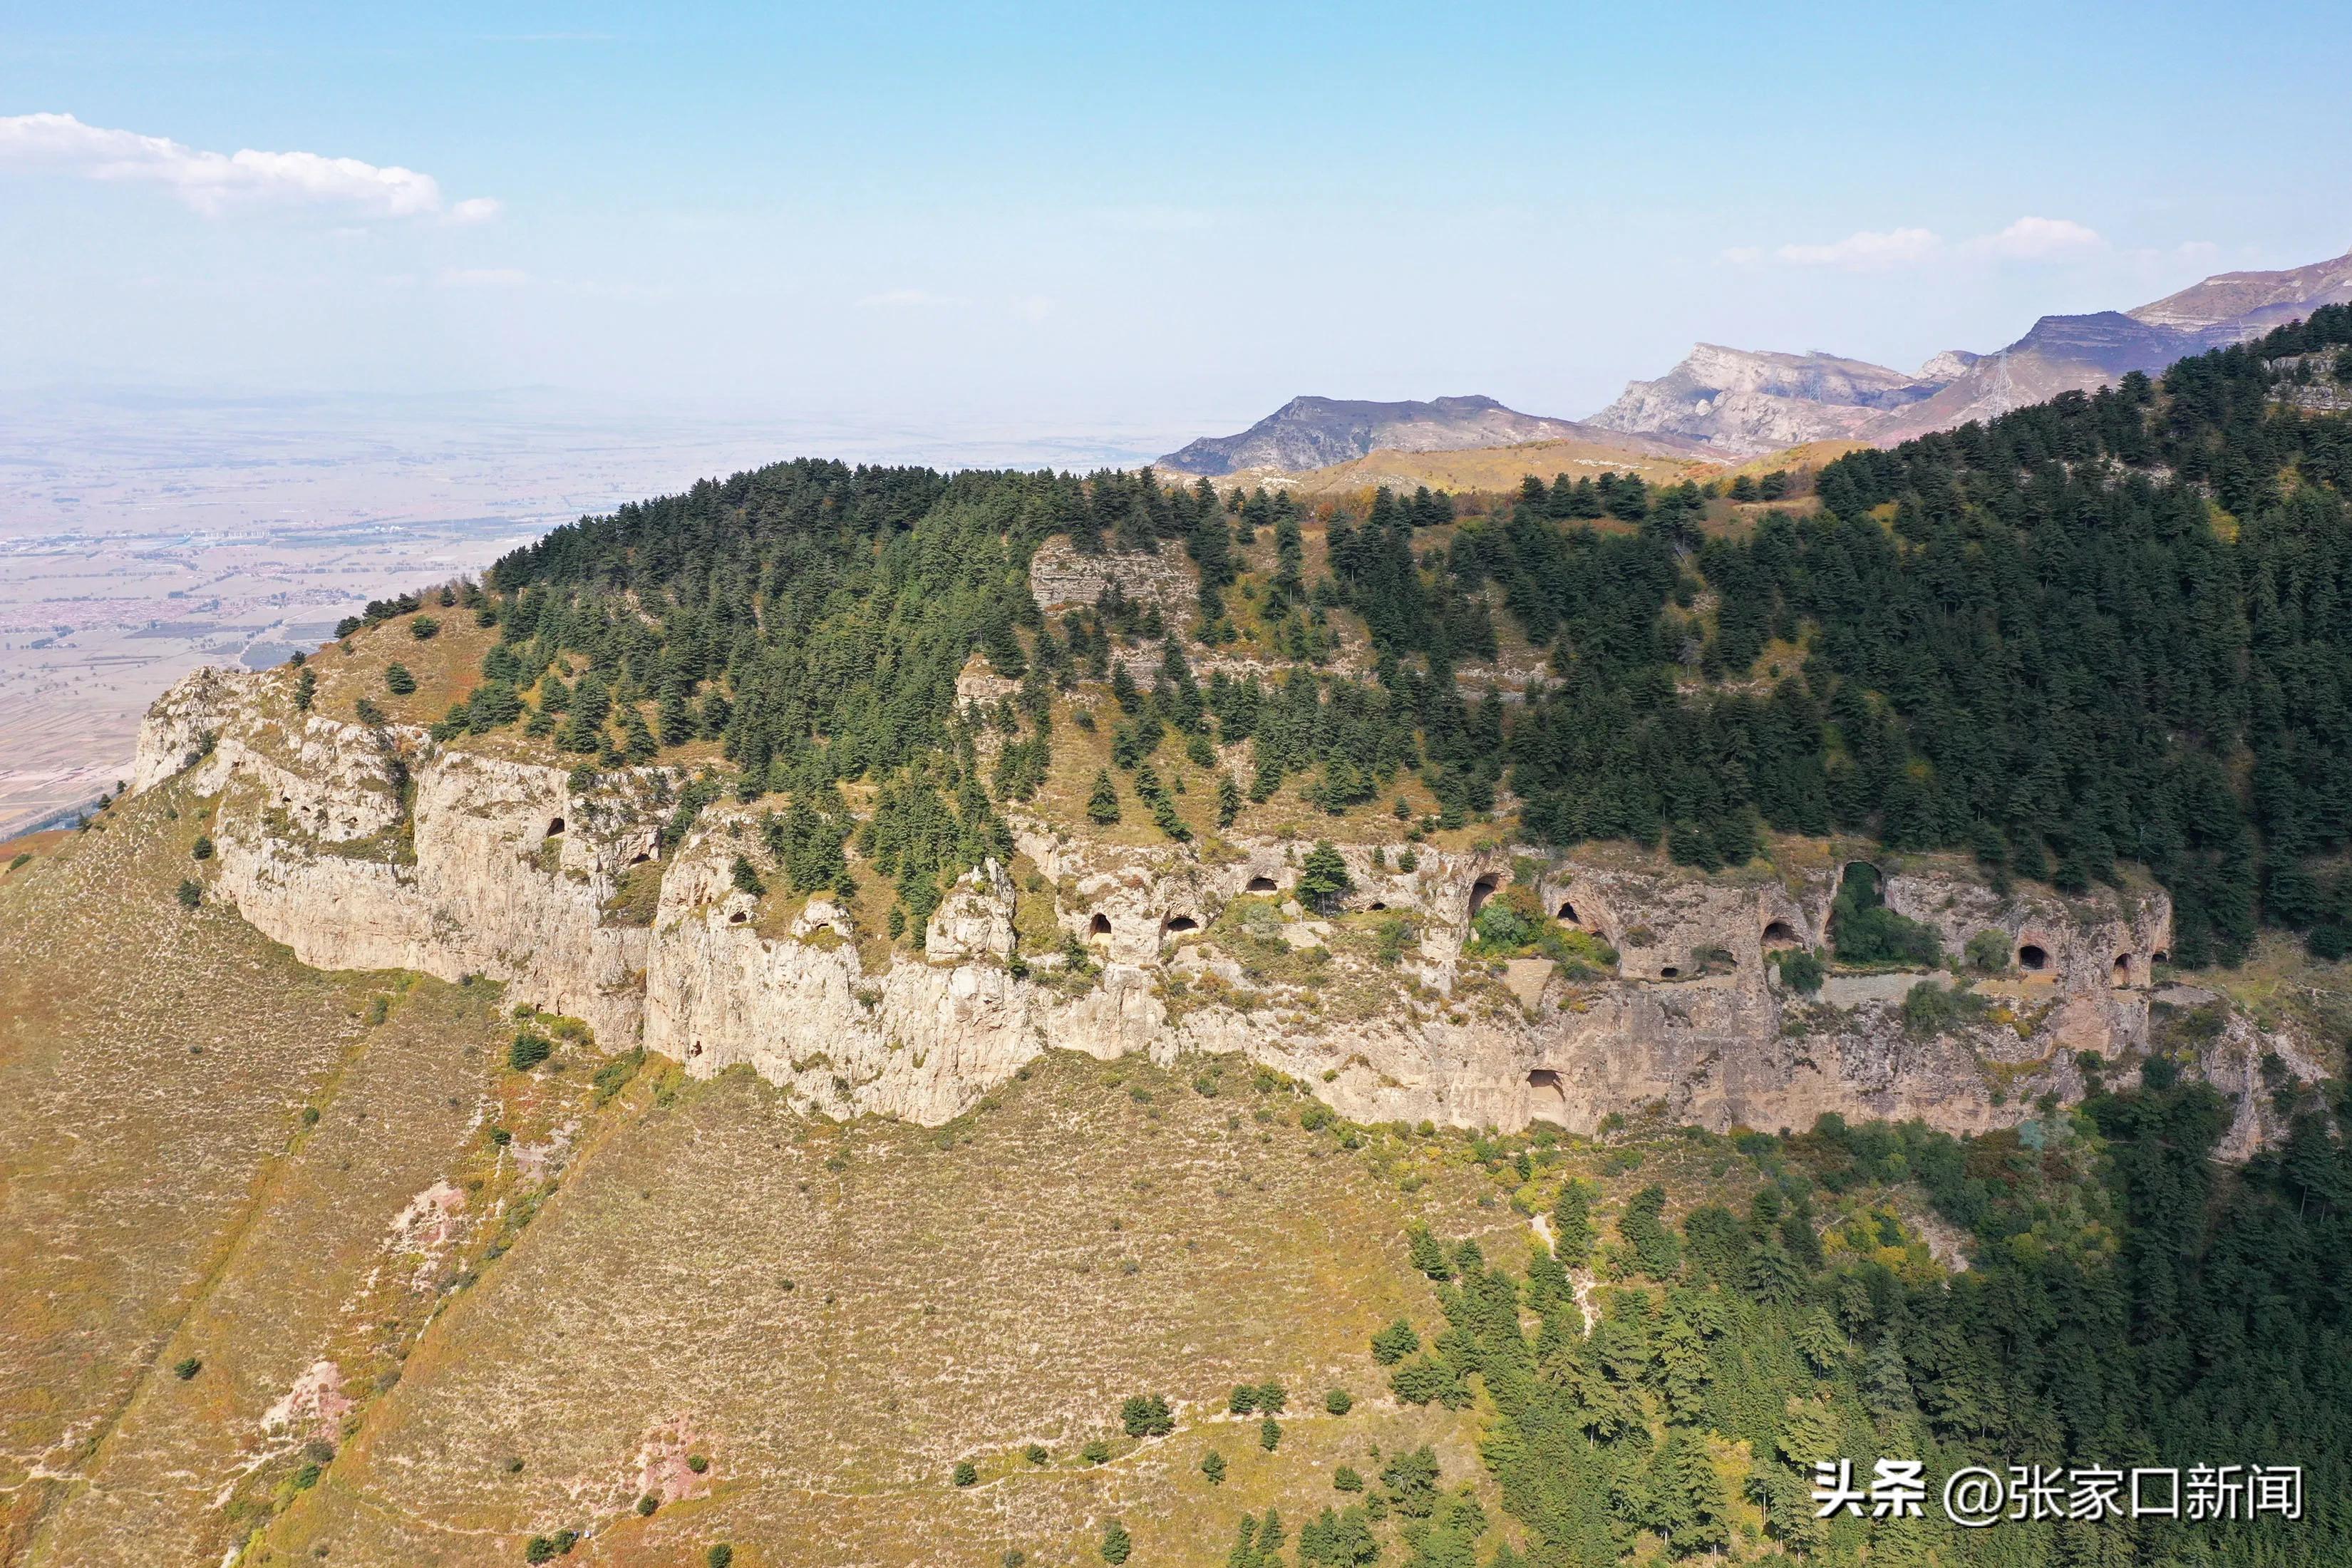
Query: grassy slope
x=836 y=1317
x=1493 y=468
x=160 y=1196
x=1069 y=1245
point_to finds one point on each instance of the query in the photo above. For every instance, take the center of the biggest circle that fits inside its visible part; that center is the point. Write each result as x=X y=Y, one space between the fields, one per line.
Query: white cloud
x=1869 y=250
x=2040 y=239
x=483 y=276
x=2027 y=240
x=214 y=183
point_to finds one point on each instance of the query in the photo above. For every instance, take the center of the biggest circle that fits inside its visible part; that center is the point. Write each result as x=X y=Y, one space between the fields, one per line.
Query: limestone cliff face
x=376 y=847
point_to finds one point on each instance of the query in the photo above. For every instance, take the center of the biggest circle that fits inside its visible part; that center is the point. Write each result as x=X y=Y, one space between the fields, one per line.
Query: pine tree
x=1102 y=805
x=1323 y=880
x=1571 y=1225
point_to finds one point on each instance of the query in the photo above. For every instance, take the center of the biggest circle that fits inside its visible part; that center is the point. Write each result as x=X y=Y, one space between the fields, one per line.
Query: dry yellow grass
x=161 y=1195
x=834 y=1316
x=1478 y=468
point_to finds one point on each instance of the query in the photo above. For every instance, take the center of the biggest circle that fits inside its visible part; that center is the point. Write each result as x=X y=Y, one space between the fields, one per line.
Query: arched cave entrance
x=1480 y=892
x=1568 y=914
x=1098 y=929
x=1779 y=934
x=554 y=827
x=2123 y=970
x=1670 y=971
x=640 y=857
x=1547 y=1095
x=1179 y=924
x=1260 y=885
x=2159 y=956
x=2032 y=958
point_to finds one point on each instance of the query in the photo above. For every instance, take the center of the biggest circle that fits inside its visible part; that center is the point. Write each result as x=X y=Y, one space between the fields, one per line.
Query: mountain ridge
x=1313 y=432
x=1744 y=402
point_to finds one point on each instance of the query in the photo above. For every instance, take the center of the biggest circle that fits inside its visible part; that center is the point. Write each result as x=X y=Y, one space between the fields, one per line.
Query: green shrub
x=1269 y=1434
x=1243 y=1401
x=1147 y=1415
x=1800 y=971
x=1395 y=1342
x=191 y=893
x=1931 y=1009
x=610 y=1079
x=203 y=848
x=398 y=680
x=1272 y=1396
x=186 y=1368
x=1338 y=1402
x=1035 y=1454
x=1116 y=1545
x=720 y=1556
x=966 y=1474
x=1988 y=952
x=529 y=1050
x=423 y=628
x=646 y=1505
x=1346 y=1479
x=1095 y=1452
x=1212 y=1464
x=1864 y=931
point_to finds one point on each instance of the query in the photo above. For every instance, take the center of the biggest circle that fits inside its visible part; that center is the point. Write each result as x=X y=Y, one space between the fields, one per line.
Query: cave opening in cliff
x=1260 y=885
x=641 y=857
x=2123 y=970
x=2159 y=956
x=1178 y=925
x=554 y=827
x=735 y=918
x=1379 y=906
x=1780 y=935
x=1568 y=914
x=1098 y=929
x=1547 y=1095
x=1670 y=971
x=1480 y=892
x=2034 y=958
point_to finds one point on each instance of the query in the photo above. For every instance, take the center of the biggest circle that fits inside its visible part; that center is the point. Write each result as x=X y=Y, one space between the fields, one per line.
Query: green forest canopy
x=2108 y=628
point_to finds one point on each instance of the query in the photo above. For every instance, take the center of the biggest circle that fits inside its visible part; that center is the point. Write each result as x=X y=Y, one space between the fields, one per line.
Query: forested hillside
x=2129 y=1307
x=2110 y=629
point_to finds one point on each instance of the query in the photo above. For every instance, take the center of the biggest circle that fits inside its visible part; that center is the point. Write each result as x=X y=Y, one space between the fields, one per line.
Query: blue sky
x=1094 y=215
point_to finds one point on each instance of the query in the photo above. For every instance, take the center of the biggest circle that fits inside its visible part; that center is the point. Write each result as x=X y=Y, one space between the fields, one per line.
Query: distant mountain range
x=1741 y=402
x=1724 y=404
x=1319 y=432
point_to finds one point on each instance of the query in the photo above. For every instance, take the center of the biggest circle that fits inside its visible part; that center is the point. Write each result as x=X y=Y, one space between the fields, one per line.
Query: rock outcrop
x=366 y=847
x=1319 y=432
x=1743 y=403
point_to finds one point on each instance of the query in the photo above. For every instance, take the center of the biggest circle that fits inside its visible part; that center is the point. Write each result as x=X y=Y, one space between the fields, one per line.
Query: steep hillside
x=461 y=1305
x=785 y=1017
x=1308 y=433
x=1743 y=403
